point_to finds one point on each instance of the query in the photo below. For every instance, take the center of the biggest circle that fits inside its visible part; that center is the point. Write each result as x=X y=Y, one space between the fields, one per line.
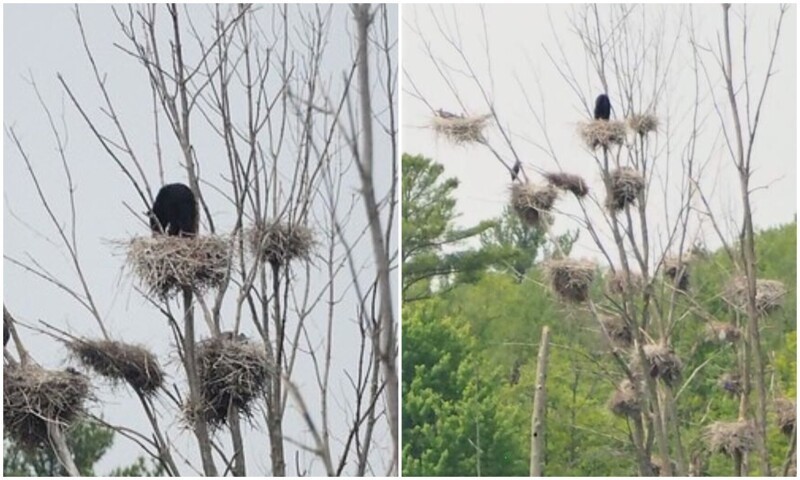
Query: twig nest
x=533 y=202
x=722 y=332
x=677 y=271
x=624 y=401
x=280 y=242
x=643 y=123
x=460 y=129
x=618 y=283
x=769 y=294
x=165 y=264
x=617 y=329
x=625 y=185
x=571 y=279
x=120 y=362
x=233 y=371
x=662 y=362
x=569 y=182
x=34 y=397
x=731 y=383
x=787 y=414
x=603 y=133
x=730 y=437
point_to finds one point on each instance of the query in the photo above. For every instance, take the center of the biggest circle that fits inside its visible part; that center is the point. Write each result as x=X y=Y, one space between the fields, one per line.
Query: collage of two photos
x=399 y=240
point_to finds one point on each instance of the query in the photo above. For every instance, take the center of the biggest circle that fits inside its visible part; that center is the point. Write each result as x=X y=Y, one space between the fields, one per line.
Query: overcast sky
x=517 y=75
x=43 y=40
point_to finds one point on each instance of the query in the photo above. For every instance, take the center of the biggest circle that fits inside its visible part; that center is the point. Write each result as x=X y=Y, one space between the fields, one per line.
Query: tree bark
x=540 y=406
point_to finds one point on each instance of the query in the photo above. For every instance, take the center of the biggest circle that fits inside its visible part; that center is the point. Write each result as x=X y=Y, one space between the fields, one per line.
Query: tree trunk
x=61 y=449
x=540 y=406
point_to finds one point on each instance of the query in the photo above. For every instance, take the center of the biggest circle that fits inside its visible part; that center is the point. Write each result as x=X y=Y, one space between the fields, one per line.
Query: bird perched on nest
x=444 y=114
x=515 y=171
x=175 y=211
x=602 y=107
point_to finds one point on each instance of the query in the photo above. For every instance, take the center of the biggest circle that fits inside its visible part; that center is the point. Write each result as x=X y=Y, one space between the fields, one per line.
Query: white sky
x=517 y=38
x=43 y=40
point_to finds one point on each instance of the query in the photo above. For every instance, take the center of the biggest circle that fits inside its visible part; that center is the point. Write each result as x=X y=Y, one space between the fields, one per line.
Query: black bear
x=175 y=211
x=602 y=107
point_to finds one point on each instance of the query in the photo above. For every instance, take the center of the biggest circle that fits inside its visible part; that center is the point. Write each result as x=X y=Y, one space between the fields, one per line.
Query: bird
x=444 y=114
x=602 y=107
x=515 y=171
x=175 y=211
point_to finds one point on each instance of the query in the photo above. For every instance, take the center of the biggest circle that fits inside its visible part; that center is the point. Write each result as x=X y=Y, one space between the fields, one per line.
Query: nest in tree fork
x=730 y=437
x=624 y=401
x=34 y=397
x=567 y=181
x=662 y=362
x=461 y=129
x=625 y=185
x=165 y=264
x=533 y=203
x=281 y=243
x=571 y=279
x=233 y=372
x=643 y=123
x=731 y=382
x=618 y=330
x=722 y=332
x=677 y=270
x=769 y=294
x=619 y=284
x=602 y=133
x=787 y=414
x=120 y=362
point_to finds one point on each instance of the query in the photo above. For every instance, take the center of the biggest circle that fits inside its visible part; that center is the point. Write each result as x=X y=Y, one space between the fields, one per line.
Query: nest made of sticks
x=643 y=123
x=730 y=437
x=120 y=362
x=624 y=401
x=786 y=411
x=280 y=242
x=769 y=294
x=731 y=382
x=461 y=129
x=571 y=279
x=618 y=283
x=625 y=185
x=663 y=362
x=722 y=332
x=677 y=271
x=233 y=371
x=34 y=397
x=603 y=133
x=166 y=264
x=568 y=181
x=533 y=203
x=618 y=330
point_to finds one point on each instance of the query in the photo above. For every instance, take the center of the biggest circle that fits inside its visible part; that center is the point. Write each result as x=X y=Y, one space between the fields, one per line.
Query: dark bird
x=515 y=171
x=174 y=211
x=602 y=107
x=445 y=114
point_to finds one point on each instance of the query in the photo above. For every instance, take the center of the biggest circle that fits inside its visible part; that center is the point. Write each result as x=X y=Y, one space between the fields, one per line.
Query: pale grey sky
x=43 y=40
x=515 y=56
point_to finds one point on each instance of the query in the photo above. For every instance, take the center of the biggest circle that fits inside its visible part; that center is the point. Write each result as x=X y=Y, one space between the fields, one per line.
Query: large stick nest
x=571 y=279
x=618 y=283
x=731 y=382
x=281 y=243
x=624 y=401
x=568 y=181
x=461 y=129
x=677 y=271
x=769 y=294
x=603 y=133
x=625 y=185
x=662 y=362
x=618 y=330
x=643 y=123
x=165 y=264
x=730 y=437
x=120 y=362
x=533 y=202
x=787 y=414
x=233 y=371
x=722 y=332
x=34 y=397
